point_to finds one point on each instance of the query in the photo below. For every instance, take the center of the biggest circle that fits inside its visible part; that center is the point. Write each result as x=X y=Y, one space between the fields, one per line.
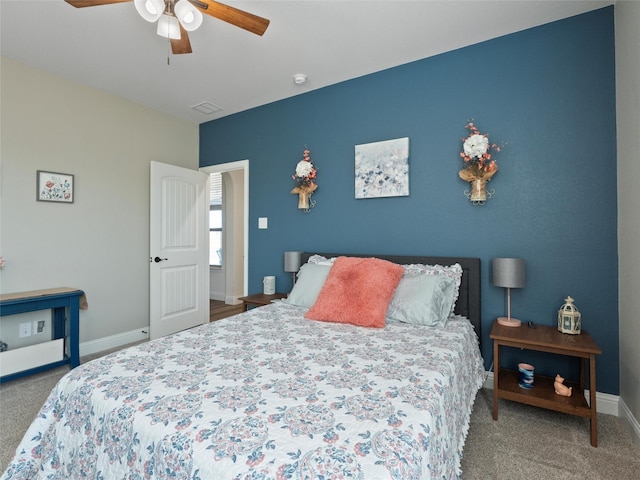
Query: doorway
x=234 y=273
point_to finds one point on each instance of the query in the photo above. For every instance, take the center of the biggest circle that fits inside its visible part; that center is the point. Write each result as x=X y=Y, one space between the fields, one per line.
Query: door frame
x=228 y=167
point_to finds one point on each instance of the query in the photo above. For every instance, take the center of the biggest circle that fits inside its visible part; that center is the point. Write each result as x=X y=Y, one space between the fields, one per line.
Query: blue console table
x=65 y=304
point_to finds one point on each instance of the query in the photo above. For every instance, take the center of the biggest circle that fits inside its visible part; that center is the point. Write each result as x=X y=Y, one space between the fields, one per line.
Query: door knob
x=158 y=259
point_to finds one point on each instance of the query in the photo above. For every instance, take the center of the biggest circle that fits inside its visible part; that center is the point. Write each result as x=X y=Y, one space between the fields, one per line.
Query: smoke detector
x=299 y=79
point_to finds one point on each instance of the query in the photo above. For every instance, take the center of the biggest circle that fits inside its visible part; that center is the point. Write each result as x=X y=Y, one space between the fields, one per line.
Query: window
x=215 y=220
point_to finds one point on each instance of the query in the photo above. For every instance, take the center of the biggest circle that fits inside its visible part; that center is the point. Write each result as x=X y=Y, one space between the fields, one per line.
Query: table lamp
x=508 y=273
x=292 y=261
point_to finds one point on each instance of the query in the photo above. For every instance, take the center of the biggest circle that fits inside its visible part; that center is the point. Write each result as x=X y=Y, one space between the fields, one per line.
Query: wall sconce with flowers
x=305 y=177
x=478 y=166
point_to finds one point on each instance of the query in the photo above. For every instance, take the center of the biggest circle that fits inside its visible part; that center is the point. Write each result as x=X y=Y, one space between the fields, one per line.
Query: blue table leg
x=74 y=332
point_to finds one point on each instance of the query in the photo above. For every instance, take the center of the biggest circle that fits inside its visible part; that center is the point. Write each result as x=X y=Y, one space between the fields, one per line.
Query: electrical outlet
x=25 y=330
x=38 y=326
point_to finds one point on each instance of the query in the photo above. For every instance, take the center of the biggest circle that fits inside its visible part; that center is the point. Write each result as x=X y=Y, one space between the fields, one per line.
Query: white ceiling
x=112 y=48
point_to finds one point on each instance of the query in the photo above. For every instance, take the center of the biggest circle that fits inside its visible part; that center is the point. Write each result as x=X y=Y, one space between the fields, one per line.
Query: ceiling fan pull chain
x=168 y=51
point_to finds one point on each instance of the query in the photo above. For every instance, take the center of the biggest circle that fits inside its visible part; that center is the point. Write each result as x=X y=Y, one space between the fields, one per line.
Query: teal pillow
x=422 y=300
x=311 y=278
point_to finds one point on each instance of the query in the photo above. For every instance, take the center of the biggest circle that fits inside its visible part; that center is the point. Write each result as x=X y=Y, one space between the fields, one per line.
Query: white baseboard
x=231 y=300
x=228 y=299
x=634 y=426
x=114 y=341
x=605 y=402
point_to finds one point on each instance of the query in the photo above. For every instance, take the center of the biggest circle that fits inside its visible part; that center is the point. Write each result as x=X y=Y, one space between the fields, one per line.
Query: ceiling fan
x=177 y=17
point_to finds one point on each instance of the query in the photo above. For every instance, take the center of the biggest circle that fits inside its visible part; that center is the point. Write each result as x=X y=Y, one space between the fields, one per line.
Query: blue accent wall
x=547 y=94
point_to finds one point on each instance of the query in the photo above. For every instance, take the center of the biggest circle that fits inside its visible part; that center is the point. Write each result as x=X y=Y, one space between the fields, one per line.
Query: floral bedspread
x=264 y=395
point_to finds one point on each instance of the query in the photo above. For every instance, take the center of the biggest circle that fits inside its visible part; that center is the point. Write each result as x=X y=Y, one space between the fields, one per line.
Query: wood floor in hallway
x=220 y=310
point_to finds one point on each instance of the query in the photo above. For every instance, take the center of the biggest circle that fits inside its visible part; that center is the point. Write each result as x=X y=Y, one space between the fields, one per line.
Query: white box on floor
x=24 y=358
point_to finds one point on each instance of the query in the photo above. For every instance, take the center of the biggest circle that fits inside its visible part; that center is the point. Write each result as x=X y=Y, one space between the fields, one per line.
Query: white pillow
x=422 y=300
x=453 y=272
x=310 y=280
x=320 y=260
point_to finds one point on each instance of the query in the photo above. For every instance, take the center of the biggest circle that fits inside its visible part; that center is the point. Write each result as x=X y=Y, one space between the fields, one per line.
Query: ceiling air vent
x=207 y=108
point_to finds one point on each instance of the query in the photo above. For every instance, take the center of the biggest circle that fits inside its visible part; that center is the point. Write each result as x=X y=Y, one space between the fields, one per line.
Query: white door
x=179 y=249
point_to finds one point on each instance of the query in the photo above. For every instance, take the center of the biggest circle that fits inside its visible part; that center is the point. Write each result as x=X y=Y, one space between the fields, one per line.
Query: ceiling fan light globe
x=150 y=10
x=188 y=15
x=168 y=27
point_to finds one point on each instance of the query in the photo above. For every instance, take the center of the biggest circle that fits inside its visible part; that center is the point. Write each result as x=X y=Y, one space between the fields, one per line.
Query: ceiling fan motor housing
x=177 y=17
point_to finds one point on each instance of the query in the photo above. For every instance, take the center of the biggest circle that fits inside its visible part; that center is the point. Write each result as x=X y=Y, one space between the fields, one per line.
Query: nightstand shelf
x=543 y=394
x=547 y=339
x=260 y=299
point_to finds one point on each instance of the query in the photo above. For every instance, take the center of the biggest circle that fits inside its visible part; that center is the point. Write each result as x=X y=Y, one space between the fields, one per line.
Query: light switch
x=263 y=222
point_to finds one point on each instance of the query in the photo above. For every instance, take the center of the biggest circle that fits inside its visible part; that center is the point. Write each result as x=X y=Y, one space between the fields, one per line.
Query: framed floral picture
x=54 y=187
x=382 y=169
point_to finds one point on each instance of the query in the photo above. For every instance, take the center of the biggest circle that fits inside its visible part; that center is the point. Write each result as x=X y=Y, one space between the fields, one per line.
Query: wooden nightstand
x=260 y=299
x=547 y=339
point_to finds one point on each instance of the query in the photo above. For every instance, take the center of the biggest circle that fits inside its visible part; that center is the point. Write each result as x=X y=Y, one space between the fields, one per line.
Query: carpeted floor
x=525 y=443
x=533 y=443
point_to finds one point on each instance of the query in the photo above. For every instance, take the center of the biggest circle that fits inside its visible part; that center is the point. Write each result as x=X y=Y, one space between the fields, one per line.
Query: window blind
x=215 y=189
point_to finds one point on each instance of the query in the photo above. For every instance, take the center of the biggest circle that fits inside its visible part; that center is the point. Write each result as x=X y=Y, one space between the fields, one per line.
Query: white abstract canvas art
x=382 y=169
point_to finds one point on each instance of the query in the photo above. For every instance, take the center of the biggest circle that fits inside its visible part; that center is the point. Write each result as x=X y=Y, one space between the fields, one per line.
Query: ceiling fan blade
x=245 y=20
x=93 y=3
x=183 y=45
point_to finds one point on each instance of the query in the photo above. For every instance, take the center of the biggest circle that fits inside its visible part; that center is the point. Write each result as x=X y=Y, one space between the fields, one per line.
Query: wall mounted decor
x=305 y=178
x=478 y=167
x=382 y=169
x=54 y=187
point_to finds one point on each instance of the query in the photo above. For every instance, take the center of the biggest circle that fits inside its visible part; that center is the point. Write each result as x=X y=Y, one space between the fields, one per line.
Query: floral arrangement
x=478 y=167
x=476 y=152
x=305 y=171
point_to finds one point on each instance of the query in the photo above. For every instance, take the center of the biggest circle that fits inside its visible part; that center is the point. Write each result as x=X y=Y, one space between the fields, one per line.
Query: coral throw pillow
x=357 y=291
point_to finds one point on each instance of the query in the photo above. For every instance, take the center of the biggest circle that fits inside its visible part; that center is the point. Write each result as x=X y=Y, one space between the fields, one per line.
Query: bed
x=272 y=394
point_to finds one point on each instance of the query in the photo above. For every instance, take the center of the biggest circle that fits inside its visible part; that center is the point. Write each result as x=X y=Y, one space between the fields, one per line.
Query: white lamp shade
x=188 y=15
x=292 y=261
x=150 y=10
x=508 y=272
x=168 y=27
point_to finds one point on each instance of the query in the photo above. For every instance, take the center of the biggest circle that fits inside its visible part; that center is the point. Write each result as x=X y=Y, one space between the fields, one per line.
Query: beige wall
x=100 y=243
x=235 y=238
x=627 y=19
